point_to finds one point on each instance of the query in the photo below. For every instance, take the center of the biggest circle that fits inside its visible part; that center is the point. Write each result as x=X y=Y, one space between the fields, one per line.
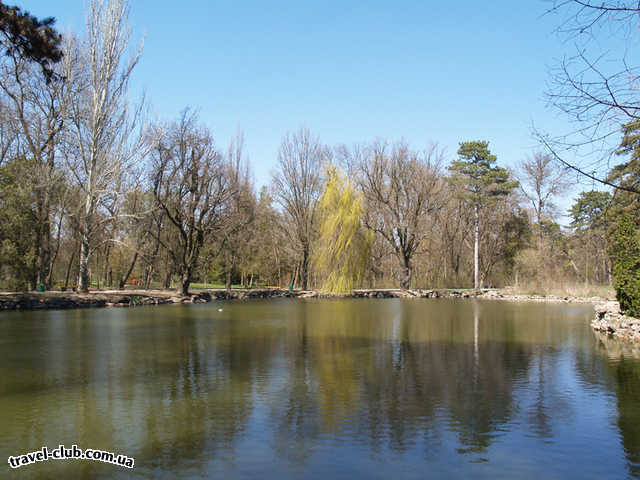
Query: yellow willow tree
x=344 y=245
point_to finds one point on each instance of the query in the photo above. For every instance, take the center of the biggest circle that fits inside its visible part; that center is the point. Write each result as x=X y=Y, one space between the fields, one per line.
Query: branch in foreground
x=582 y=172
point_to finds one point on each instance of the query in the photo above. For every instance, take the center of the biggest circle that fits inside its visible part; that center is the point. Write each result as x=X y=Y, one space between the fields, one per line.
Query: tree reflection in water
x=194 y=391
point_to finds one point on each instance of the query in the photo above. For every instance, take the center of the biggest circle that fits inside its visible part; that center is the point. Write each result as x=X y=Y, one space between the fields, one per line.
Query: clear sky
x=350 y=71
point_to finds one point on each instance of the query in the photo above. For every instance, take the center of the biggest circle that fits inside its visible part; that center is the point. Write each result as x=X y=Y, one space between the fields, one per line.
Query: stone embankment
x=129 y=298
x=610 y=320
x=616 y=348
x=55 y=300
x=392 y=293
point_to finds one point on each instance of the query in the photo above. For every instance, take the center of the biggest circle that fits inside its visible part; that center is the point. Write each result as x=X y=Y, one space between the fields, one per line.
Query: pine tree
x=24 y=35
x=480 y=184
x=626 y=266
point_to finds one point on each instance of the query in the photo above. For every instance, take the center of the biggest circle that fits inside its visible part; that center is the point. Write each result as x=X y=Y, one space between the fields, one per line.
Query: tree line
x=93 y=194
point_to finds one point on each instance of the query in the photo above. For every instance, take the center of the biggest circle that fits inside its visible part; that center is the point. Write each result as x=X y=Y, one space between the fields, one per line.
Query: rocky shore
x=126 y=298
x=131 y=298
x=616 y=348
x=608 y=319
x=66 y=300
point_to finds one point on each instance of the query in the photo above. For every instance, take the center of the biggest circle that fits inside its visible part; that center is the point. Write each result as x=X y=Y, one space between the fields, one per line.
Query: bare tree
x=108 y=137
x=402 y=189
x=541 y=181
x=38 y=106
x=596 y=88
x=297 y=185
x=191 y=185
x=455 y=224
x=241 y=209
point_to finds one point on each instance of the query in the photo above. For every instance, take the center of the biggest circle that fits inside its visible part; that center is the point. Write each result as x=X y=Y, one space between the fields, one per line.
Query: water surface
x=321 y=389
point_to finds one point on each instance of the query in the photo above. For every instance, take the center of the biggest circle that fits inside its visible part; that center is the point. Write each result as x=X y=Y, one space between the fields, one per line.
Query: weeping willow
x=344 y=246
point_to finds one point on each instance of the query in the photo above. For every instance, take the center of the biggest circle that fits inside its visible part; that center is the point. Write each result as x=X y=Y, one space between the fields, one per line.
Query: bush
x=626 y=266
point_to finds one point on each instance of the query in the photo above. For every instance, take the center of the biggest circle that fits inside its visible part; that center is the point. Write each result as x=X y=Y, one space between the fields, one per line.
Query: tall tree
x=241 y=210
x=480 y=183
x=297 y=185
x=402 y=189
x=590 y=224
x=542 y=180
x=626 y=175
x=625 y=250
x=17 y=226
x=191 y=185
x=108 y=139
x=39 y=110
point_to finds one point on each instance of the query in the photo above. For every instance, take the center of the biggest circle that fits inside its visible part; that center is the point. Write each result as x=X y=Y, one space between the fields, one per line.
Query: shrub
x=626 y=266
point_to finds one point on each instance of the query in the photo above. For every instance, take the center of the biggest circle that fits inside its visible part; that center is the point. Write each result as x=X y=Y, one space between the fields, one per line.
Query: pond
x=292 y=388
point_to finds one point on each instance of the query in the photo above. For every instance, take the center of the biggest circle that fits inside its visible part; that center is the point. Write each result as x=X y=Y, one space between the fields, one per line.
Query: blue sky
x=350 y=71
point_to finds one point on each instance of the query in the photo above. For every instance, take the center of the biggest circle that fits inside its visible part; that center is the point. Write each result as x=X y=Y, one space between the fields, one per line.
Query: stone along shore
x=608 y=319
x=129 y=298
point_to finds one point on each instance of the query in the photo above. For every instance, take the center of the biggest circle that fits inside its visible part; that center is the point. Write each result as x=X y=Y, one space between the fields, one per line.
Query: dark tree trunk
x=294 y=277
x=304 y=274
x=227 y=282
x=185 y=281
x=124 y=279
x=167 y=273
x=108 y=271
x=148 y=274
x=43 y=240
x=73 y=256
x=405 y=280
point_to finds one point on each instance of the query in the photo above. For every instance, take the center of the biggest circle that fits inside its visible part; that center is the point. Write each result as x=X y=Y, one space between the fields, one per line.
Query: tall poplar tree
x=480 y=184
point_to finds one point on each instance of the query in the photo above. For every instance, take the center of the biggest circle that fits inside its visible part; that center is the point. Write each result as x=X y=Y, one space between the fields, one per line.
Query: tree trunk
x=73 y=256
x=167 y=273
x=227 y=282
x=83 y=274
x=476 y=235
x=124 y=279
x=108 y=271
x=54 y=256
x=294 y=278
x=43 y=241
x=405 y=280
x=185 y=281
x=148 y=273
x=305 y=267
x=85 y=245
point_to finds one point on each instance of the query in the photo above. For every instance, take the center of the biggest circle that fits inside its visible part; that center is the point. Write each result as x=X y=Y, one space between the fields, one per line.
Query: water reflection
x=315 y=388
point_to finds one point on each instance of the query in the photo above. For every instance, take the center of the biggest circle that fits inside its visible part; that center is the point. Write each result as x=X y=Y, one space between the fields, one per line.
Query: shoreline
x=132 y=298
x=610 y=321
x=607 y=318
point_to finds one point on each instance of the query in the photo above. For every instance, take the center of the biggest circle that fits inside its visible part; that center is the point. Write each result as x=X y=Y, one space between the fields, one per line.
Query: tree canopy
x=26 y=36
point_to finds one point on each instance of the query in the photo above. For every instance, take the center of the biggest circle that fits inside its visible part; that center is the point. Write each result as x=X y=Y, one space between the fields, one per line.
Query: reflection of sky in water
x=341 y=389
